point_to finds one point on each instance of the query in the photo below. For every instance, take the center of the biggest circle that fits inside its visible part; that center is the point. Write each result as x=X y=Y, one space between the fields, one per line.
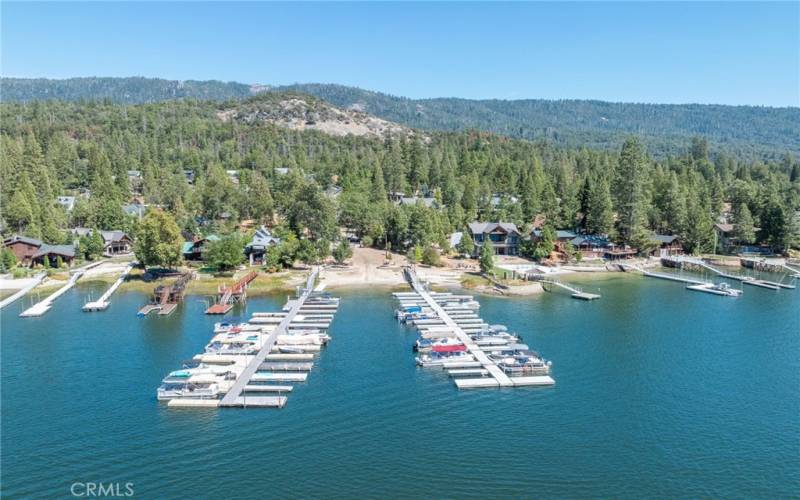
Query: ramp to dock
x=102 y=303
x=21 y=293
x=664 y=276
x=230 y=293
x=576 y=293
x=45 y=305
x=234 y=397
x=681 y=261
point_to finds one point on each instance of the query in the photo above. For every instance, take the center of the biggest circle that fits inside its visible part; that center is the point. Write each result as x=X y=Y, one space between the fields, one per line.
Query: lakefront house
x=30 y=251
x=504 y=237
x=257 y=248
x=114 y=242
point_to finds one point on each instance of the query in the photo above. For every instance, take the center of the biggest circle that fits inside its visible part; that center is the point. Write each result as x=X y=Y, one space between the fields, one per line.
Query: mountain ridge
x=744 y=131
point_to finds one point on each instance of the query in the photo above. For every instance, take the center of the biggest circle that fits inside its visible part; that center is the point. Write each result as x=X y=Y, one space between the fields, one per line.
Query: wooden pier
x=490 y=375
x=167 y=297
x=228 y=295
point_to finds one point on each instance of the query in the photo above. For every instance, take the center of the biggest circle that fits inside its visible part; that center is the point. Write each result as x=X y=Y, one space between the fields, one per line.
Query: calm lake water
x=660 y=392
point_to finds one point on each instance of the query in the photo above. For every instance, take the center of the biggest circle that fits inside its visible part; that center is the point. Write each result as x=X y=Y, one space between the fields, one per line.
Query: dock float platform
x=247 y=365
x=693 y=263
x=259 y=402
x=42 y=307
x=478 y=363
x=102 y=303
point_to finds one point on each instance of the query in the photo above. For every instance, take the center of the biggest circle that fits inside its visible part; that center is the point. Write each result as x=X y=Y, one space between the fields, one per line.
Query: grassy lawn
x=474 y=281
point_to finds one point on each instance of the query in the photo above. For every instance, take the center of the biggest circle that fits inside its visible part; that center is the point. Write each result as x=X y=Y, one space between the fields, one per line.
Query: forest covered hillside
x=742 y=131
x=207 y=174
x=751 y=131
x=132 y=90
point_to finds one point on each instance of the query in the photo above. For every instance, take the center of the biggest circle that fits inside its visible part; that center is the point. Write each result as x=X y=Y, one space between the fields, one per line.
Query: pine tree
x=378 y=189
x=19 y=214
x=545 y=245
x=600 y=215
x=699 y=225
x=775 y=225
x=675 y=216
x=469 y=200
x=744 y=225
x=466 y=246
x=630 y=189
x=256 y=200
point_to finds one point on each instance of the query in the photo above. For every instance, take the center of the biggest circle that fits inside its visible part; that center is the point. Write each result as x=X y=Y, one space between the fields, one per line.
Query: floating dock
x=261 y=378
x=102 y=303
x=480 y=371
x=45 y=305
x=691 y=263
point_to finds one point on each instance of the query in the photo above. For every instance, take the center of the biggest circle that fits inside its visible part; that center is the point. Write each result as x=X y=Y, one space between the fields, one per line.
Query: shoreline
x=369 y=268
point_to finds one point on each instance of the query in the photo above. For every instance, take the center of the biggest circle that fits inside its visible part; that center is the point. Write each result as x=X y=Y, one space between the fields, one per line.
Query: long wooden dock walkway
x=234 y=396
x=497 y=377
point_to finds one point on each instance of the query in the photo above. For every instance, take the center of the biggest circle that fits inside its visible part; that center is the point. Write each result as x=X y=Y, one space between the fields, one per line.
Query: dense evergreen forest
x=747 y=132
x=744 y=131
x=51 y=148
x=133 y=90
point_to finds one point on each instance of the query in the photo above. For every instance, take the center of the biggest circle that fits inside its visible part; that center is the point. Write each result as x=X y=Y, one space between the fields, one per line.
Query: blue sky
x=726 y=53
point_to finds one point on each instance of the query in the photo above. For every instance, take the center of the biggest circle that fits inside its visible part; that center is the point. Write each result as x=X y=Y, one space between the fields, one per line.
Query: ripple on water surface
x=660 y=392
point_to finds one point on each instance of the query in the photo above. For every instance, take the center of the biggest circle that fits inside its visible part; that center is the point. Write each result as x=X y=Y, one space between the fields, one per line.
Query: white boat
x=438 y=359
x=236 y=327
x=720 y=289
x=186 y=374
x=171 y=390
x=469 y=304
x=438 y=333
x=427 y=345
x=502 y=338
x=232 y=348
x=317 y=339
x=521 y=363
